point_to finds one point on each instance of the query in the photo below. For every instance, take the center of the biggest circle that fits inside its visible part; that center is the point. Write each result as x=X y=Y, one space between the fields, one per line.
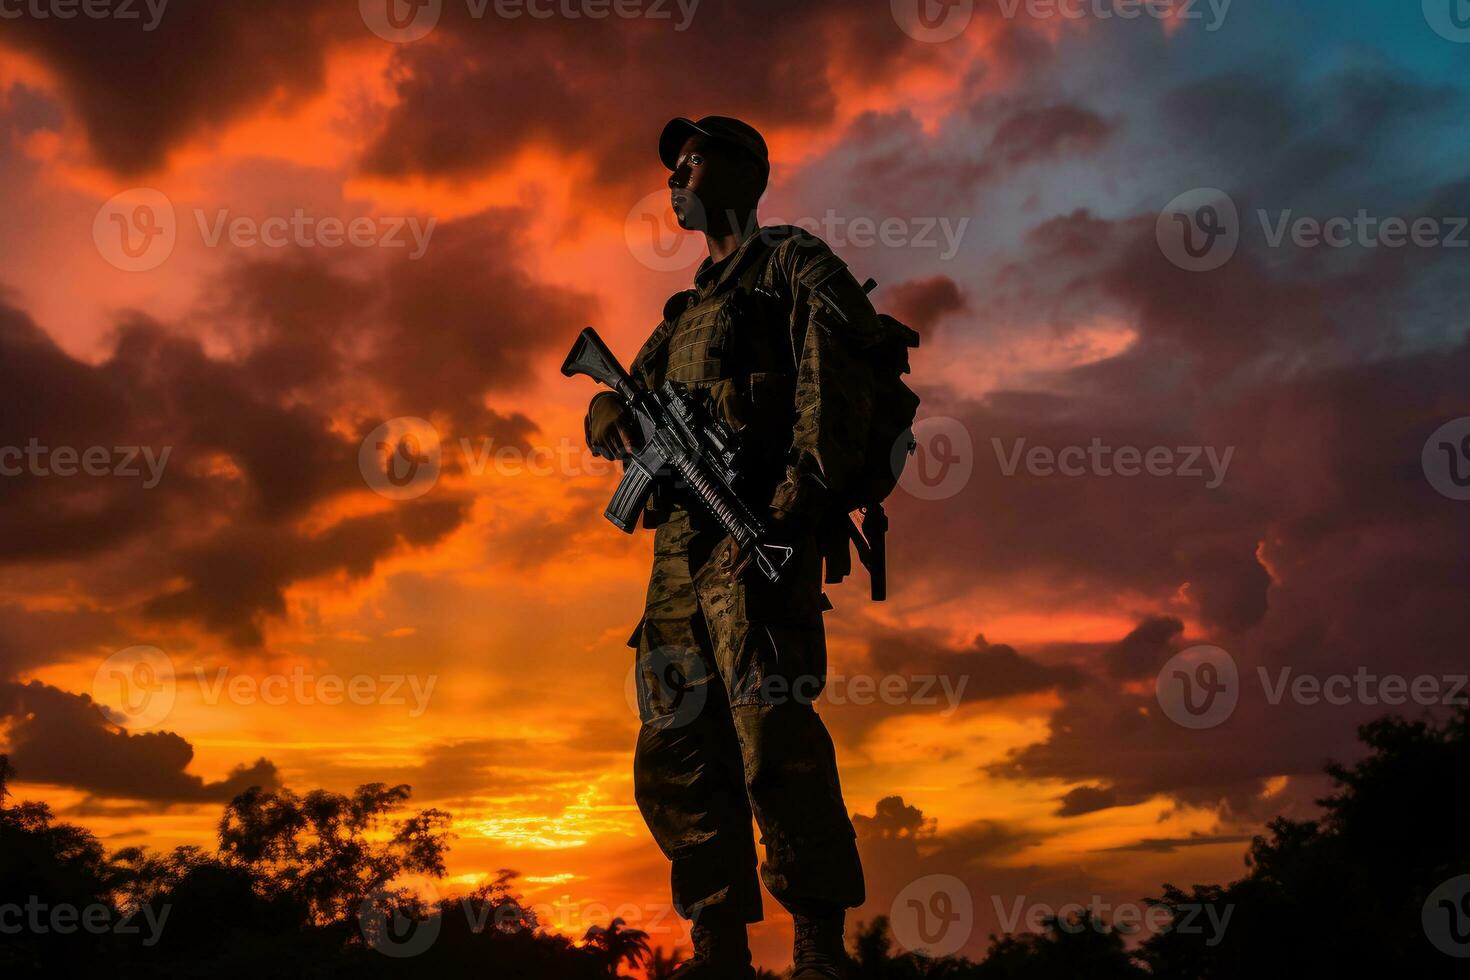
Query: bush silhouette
x=302 y=885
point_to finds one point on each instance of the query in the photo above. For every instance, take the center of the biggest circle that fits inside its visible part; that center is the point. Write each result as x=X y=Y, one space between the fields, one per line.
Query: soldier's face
x=707 y=185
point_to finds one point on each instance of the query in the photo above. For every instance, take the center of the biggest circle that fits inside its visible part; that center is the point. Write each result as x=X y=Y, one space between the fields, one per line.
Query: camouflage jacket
x=794 y=324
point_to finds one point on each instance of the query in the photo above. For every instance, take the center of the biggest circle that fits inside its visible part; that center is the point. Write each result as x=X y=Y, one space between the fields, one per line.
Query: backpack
x=890 y=439
x=890 y=444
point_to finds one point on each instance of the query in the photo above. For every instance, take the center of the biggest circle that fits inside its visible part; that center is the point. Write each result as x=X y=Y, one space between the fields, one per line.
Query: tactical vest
x=731 y=346
x=696 y=355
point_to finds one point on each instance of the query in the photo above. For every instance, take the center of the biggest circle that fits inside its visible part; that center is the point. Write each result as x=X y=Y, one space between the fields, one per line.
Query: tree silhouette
x=1078 y=945
x=619 y=945
x=1343 y=894
x=317 y=850
x=281 y=896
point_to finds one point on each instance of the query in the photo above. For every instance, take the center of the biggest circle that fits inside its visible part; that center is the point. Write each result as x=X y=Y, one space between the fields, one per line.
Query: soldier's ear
x=757 y=176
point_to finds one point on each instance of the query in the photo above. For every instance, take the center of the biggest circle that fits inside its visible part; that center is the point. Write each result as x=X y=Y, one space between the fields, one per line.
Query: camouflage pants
x=727 y=672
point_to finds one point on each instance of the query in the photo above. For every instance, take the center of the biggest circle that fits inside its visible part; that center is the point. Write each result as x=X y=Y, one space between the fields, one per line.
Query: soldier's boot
x=818 y=951
x=721 y=952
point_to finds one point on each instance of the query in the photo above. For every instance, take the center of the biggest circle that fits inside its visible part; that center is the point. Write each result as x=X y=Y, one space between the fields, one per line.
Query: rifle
x=678 y=436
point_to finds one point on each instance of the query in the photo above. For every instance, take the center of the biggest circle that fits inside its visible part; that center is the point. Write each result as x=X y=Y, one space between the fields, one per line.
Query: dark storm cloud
x=1003 y=138
x=39 y=636
x=47 y=395
x=1087 y=799
x=255 y=437
x=240 y=575
x=138 y=93
x=922 y=303
x=1046 y=132
x=900 y=847
x=437 y=334
x=467 y=320
x=1275 y=130
x=163 y=391
x=1142 y=652
x=1324 y=525
x=1168 y=845
x=465 y=771
x=990 y=671
x=605 y=89
x=1323 y=549
x=919 y=671
x=63 y=739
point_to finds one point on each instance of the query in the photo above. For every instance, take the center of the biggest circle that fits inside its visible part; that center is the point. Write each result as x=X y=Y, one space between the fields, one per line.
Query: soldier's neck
x=723 y=242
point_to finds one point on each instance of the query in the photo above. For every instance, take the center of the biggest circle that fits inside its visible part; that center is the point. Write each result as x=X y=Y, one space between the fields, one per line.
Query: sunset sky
x=331 y=230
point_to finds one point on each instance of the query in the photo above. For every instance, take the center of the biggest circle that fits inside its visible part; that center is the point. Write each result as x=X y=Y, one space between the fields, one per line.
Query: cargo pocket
x=790 y=660
x=673 y=676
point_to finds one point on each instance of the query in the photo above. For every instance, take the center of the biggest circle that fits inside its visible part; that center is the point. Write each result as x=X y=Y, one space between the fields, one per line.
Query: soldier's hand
x=611 y=428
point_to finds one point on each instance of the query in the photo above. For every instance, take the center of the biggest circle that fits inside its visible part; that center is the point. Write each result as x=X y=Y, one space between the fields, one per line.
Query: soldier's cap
x=723 y=129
